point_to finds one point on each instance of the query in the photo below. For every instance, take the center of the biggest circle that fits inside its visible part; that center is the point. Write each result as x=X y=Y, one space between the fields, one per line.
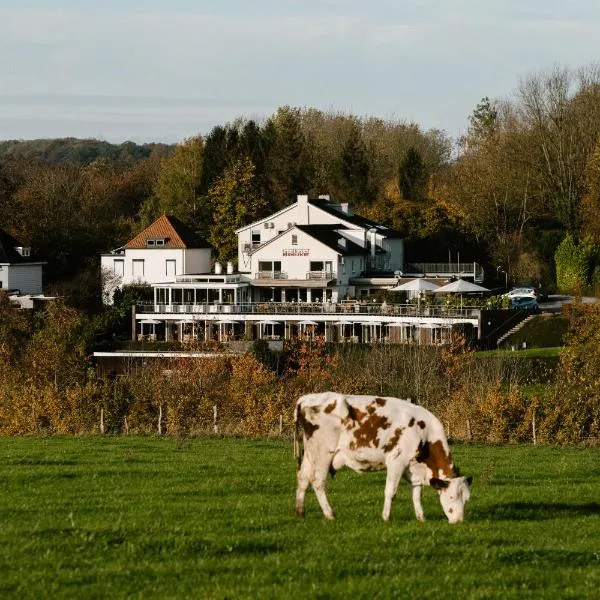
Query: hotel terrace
x=310 y=269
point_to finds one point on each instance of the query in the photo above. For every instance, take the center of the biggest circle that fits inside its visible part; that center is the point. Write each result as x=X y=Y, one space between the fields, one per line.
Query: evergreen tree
x=412 y=175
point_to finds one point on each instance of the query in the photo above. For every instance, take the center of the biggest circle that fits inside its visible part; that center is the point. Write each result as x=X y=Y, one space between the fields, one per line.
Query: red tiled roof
x=172 y=230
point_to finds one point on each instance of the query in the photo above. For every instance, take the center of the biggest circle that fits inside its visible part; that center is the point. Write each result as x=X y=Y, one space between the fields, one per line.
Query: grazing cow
x=369 y=433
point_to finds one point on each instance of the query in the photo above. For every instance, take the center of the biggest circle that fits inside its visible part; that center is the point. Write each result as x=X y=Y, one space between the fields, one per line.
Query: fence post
x=102 y=420
x=215 y=423
x=469 y=432
x=126 y=426
x=280 y=425
x=160 y=419
x=533 y=429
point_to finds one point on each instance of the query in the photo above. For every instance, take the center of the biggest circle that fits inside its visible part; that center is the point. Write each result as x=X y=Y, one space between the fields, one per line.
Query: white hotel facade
x=311 y=268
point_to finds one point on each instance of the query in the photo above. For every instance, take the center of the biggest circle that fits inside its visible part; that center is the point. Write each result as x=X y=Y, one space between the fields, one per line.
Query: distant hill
x=77 y=151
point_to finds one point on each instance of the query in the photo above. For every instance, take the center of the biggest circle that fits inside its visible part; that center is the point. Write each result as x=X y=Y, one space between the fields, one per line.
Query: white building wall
x=295 y=258
x=24 y=277
x=159 y=266
x=196 y=261
x=4 y=277
x=300 y=213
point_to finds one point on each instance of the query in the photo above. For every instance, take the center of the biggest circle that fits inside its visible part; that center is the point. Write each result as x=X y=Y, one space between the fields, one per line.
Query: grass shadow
x=541 y=511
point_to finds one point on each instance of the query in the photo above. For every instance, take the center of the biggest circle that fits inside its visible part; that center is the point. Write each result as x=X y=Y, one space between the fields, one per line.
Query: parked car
x=524 y=303
x=521 y=291
x=528 y=290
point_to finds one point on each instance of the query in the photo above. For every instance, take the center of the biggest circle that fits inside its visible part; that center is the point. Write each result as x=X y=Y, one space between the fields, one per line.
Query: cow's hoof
x=300 y=513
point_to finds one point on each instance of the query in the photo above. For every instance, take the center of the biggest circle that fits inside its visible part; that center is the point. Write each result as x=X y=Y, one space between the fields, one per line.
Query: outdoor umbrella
x=460 y=286
x=415 y=285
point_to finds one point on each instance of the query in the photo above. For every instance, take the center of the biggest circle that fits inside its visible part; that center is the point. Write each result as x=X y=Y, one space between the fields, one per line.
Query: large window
x=137 y=266
x=170 y=268
x=119 y=267
x=269 y=266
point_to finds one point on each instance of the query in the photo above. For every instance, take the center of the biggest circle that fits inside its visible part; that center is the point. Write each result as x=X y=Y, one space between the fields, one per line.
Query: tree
x=177 y=190
x=561 y=109
x=354 y=169
x=483 y=121
x=412 y=175
x=235 y=201
x=288 y=168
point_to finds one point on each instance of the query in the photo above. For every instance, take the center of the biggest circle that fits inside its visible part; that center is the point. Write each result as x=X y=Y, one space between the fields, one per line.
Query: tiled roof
x=8 y=254
x=172 y=230
x=357 y=220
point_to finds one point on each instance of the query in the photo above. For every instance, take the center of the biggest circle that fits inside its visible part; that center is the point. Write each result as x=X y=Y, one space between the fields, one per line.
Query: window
x=316 y=265
x=154 y=242
x=119 y=267
x=294 y=239
x=352 y=266
x=170 y=267
x=255 y=238
x=137 y=267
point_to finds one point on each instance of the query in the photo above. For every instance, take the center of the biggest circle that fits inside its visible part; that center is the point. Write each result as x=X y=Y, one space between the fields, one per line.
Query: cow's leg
x=305 y=475
x=416 y=498
x=318 y=482
x=395 y=469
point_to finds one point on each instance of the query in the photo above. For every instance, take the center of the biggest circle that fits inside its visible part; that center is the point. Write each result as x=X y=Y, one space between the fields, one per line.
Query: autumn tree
x=235 y=201
x=177 y=189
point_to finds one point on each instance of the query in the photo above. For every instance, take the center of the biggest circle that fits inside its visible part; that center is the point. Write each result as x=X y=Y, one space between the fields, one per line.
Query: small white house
x=159 y=253
x=19 y=272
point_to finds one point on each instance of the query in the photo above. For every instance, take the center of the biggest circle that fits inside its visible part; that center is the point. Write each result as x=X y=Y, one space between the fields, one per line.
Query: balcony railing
x=271 y=275
x=314 y=308
x=320 y=275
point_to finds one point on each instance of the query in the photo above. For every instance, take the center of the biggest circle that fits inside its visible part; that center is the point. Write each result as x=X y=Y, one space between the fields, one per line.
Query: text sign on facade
x=296 y=251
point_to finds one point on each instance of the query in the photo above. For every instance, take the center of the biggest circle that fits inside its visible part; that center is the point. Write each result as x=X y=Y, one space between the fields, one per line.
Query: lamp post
x=499 y=270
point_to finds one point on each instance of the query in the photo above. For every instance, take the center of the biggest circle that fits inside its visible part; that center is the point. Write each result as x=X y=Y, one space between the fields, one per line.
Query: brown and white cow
x=369 y=433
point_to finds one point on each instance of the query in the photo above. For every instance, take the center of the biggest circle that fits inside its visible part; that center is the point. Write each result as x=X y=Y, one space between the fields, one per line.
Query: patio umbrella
x=460 y=286
x=415 y=285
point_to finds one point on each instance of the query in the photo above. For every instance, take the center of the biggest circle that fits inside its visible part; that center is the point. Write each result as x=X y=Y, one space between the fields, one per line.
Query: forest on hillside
x=520 y=192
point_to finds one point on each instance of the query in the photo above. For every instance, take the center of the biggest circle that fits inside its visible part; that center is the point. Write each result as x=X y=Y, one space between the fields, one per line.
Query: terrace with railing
x=314 y=308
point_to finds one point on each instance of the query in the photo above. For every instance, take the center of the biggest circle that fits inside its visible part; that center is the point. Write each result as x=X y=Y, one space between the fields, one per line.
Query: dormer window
x=155 y=242
x=23 y=251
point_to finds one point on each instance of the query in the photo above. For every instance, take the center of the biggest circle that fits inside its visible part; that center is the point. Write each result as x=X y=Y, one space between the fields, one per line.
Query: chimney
x=345 y=208
x=303 y=213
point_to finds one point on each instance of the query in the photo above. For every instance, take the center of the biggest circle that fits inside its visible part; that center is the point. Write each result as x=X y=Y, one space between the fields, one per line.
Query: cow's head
x=454 y=494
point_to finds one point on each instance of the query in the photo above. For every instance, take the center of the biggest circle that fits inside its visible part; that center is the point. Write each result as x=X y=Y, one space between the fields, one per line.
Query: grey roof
x=335 y=210
x=8 y=254
x=329 y=235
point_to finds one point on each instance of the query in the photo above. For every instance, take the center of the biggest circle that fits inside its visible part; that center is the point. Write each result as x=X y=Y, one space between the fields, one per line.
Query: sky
x=164 y=70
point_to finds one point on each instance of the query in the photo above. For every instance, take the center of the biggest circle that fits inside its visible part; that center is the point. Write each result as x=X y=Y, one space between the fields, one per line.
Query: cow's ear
x=469 y=480
x=438 y=484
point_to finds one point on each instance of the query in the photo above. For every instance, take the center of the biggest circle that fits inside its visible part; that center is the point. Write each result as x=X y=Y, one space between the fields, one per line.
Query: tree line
x=525 y=177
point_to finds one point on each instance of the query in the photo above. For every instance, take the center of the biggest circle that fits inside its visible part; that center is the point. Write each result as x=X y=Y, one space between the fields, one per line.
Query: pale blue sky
x=163 y=70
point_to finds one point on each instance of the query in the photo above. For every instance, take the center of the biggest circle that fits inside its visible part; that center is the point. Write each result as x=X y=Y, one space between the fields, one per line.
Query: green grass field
x=133 y=517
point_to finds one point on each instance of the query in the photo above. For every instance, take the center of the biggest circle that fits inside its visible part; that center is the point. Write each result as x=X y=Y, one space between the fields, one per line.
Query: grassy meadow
x=134 y=517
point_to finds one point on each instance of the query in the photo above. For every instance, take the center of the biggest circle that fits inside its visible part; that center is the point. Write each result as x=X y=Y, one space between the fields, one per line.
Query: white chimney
x=345 y=208
x=229 y=267
x=218 y=268
x=303 y=217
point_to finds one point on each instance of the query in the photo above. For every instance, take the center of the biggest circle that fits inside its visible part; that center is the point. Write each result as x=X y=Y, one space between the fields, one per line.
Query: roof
x=335 y=210
x=329 y=235
x=8 y=254
x=175 y=233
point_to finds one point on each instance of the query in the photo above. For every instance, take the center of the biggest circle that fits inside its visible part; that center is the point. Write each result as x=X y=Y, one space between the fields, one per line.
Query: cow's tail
x=298 y=437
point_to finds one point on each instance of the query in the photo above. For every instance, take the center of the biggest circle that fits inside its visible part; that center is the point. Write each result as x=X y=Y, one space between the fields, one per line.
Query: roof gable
x=356 y=220
x=170 y=229
x=8 y=254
